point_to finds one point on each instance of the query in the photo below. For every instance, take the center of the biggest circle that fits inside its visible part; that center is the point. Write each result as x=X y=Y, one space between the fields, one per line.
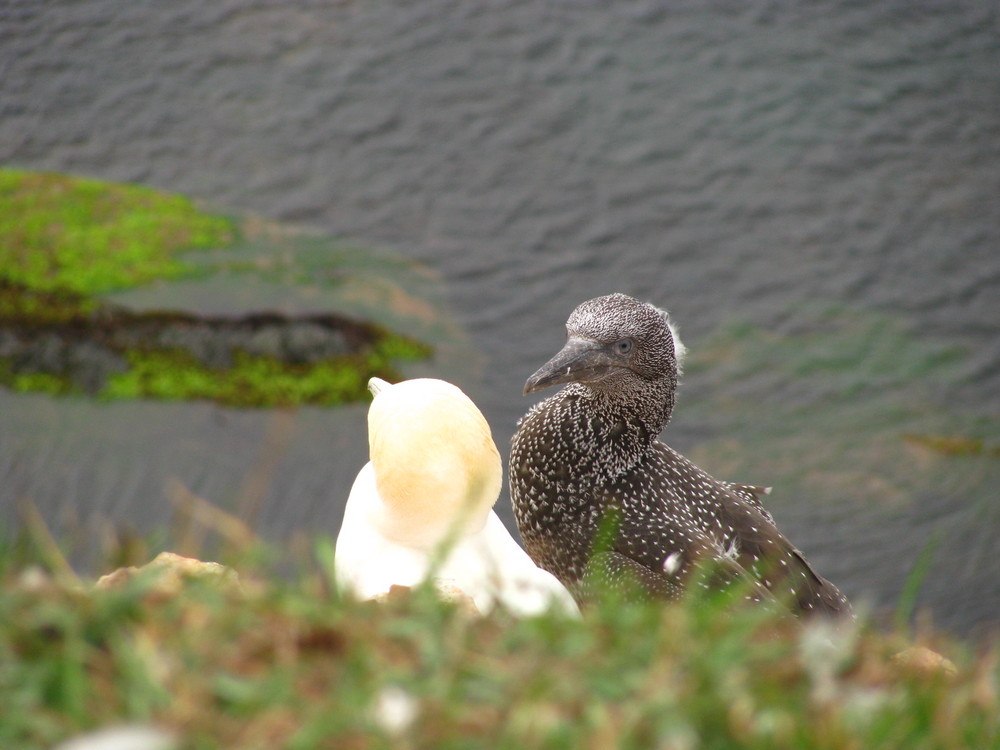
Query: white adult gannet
x=423 y=505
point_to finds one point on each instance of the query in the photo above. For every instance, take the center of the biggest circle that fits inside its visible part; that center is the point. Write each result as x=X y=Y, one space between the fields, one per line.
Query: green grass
x=287 y=663
x=70 y=234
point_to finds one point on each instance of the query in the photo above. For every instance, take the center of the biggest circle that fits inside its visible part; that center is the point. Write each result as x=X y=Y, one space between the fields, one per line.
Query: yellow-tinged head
x=437 y=469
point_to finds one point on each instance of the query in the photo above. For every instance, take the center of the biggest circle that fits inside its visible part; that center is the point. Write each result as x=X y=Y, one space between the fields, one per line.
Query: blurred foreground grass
x=285 y=662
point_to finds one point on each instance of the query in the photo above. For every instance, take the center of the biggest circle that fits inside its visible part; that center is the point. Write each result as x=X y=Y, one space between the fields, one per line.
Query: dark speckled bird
x=592 y=448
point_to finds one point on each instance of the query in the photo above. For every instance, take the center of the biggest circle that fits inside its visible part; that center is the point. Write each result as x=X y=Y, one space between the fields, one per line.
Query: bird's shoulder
x=671 y=486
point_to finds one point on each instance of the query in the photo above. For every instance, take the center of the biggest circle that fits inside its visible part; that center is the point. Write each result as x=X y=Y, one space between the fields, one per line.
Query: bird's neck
x=426 y=528
x=615 y=427
x=648 y=403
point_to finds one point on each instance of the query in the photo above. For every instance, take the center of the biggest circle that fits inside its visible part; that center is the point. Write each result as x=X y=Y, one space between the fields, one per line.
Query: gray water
x=741 y=166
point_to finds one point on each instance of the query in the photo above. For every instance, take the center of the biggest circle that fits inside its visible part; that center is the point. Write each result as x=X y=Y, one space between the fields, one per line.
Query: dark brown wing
x=764 y=551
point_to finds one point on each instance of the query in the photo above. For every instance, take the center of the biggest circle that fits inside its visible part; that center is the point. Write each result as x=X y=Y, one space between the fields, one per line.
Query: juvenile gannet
x=592 y=448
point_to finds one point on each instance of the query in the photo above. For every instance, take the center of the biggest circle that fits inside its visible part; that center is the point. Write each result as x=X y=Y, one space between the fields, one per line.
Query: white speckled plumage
x=422 y=506
x=592 y=449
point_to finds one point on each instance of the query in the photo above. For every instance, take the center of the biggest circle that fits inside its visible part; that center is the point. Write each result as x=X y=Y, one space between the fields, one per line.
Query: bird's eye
x=623 y=346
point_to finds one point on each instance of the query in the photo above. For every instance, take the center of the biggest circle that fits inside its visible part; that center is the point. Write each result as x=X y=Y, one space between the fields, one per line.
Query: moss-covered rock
x=259 y=379
x=64 y=240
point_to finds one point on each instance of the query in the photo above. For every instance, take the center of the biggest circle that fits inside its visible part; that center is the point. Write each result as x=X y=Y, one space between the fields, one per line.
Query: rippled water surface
x=811 y=188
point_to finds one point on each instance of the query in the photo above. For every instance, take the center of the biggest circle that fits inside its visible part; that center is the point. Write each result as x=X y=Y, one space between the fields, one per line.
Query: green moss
x=19 y=304
x=87 y=236
x=390 y=348
x=35 y=382
x=256 y=381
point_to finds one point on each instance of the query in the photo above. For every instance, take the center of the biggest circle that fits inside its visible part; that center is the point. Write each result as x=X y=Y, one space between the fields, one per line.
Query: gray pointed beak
x=580 y=360
x=377 y=384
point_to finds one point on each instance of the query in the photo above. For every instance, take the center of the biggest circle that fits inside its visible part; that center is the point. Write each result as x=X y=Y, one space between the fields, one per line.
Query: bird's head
x=437 y=469
x=612 y=340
